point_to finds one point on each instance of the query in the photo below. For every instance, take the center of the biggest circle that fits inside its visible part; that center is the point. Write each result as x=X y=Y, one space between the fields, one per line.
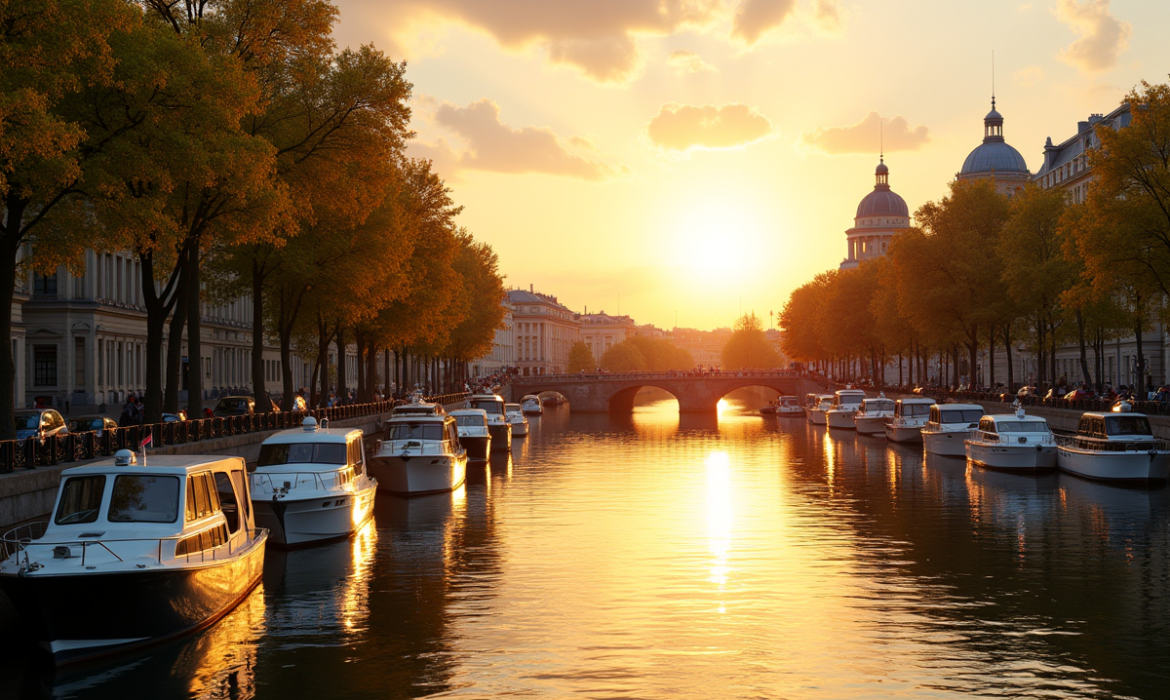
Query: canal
x=653 y=556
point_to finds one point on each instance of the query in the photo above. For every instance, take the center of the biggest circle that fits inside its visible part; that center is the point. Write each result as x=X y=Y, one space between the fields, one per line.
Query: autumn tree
x=748 y=347
x=623 y=357
x=660 y=354
x=580 y=358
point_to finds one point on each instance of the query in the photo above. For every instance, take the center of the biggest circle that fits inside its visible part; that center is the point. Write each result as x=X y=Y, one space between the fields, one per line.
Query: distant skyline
x=700 y=157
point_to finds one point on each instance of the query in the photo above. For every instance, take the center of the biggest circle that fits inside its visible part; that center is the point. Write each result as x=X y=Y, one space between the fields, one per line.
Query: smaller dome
x=882 y=203
x=882 y=169
x=994 y=156
x=993 y=115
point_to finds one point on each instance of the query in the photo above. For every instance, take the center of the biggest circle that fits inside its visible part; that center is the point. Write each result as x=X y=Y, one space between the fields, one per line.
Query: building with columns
x=995 y=159
x=600 y=331
x=544 y=330
x=503 y=354
x=881 y=215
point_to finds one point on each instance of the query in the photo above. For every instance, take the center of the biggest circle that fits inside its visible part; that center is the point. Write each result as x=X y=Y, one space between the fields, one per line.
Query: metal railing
x=33 y=452
x=266 y=484
x=537 y=379
x=18 y=541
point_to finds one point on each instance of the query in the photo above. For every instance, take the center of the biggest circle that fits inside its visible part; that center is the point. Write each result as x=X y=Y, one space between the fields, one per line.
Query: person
x=130 y=414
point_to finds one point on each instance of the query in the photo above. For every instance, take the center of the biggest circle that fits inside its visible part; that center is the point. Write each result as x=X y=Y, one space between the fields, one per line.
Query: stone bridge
x=696 y=393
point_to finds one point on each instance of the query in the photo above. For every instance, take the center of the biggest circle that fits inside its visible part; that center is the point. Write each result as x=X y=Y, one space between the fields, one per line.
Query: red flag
x=146 y=441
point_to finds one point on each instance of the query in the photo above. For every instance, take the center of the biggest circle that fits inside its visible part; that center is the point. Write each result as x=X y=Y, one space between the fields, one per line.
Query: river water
x=653 y=556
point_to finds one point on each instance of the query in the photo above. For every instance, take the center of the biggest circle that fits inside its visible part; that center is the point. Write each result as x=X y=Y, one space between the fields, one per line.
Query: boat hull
x=1012 y=458
x=1135 y=467
x=477 y=446
x=904 y=433
x=873 y=425
x=816 y=417
x=840 y=419
x=519 y=429
x=789 y=412
x=319 y=519
x=947 y=444
x=81 y=616
x=419 y=474
x=501 y=434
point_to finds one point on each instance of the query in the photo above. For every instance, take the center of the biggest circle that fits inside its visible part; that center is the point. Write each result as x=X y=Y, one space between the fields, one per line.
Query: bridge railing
x=676 y=374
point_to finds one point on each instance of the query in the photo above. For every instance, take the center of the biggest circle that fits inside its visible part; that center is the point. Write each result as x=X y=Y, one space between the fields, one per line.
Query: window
x=1127 y=425
x=79 y=363
x=227 y=497
x=414 y=431
x=45 y=365
x=45 y=286
x=302 y=453
x=202 y=498
x=144 y=499
x=208 y=539
x=80 y=500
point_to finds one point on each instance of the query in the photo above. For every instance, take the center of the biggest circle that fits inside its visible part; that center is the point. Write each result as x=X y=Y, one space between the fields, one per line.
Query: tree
x=623 y=357
x=660 y=354
x=580 y=358
x=748 y=347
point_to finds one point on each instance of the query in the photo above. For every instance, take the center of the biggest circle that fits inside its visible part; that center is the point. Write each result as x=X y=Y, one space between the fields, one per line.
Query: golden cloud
x=683 y=127
x=683 y=62
x=1101 y=37
x=493 y=146
x=866 y=136
x=753 y=18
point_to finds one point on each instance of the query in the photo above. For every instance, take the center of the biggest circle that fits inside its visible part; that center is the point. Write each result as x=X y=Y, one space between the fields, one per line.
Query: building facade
x=995 y=159
x=881 y=215
x=544 y=331
x=600 y=331
x=503 y=354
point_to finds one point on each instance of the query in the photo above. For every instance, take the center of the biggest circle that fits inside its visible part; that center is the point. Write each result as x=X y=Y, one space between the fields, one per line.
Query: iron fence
x=33 y=452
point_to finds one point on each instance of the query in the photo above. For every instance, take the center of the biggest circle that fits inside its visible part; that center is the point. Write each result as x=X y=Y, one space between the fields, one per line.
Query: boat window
x=472 y=420
x=967 y=415
x=144 y=499
x=494 y=408
x=934 y=417
x=916 y=409
x=302 y=453
x=202 y=499
x=1086 y=426
x=81 y=498
x=452 y=434
x=208 y=539
x=1127 y=425
x=414 y=431
x=987 y=425
x=227 y=497
x=1024 y=426
x=241 y=482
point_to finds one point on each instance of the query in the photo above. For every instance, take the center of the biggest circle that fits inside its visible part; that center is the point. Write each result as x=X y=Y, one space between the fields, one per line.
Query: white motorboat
x=419 y=455
x=498 y=425
x=310 y=485
x=816 y=414
x=1114 y=447
x=516 y=419
x=531 y=405
x=1013 y=442
x=948 y=426
x=472 y=426
x=788 y=406
x=132 y=554
x=417 y=407
x=909 y=417
x=872 y=416
x=845 y=404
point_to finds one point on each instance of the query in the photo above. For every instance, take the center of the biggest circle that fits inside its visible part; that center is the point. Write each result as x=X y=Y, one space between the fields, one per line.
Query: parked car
x=174 y=417
x=234 y=406
x=39 y=423
x=96 y=424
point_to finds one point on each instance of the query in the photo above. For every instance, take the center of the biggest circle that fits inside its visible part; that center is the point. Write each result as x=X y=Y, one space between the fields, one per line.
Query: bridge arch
x=622 y=401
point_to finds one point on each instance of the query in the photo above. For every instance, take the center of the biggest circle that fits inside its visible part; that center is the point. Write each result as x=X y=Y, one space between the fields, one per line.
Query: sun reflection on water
x=720 y=516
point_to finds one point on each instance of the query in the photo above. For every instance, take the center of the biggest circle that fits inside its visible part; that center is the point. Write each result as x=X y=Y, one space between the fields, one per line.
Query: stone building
x=544 y=330
x=881 y=215
x=503 y=352
x=600 y=331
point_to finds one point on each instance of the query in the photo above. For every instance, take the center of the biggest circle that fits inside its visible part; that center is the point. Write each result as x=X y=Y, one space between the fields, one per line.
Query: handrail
x=22 y=545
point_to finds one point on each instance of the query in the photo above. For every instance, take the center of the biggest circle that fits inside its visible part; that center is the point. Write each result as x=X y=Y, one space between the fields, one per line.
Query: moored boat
x=845 y=404
x=872 y=416
x=816 y=414
x=310 y=485
x=1114 y=447
x=419 y=455
x=531 y=405
x=516 y=419
x=498 y=425
x=472 y=427
x=948 y=426
x=1012 y=442
x=909 y=417
x=132 y=555
x=788 y=406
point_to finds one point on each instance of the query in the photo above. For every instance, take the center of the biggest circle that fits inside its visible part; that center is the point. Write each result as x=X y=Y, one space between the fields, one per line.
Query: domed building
x=880 y=216
x=995 y=159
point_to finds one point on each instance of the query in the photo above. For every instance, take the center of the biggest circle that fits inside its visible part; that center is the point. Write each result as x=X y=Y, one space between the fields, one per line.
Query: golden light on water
x=355 y=593
x=720 y=516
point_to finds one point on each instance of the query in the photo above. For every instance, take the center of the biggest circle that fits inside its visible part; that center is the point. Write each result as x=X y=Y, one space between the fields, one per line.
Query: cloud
x=1101 y=37
x=1029 y=76
x=598 y=38
x=753 y=18
x=683 y=127
x=864 y=136
x=683 y=62
x=829 y=15
x=493 y=146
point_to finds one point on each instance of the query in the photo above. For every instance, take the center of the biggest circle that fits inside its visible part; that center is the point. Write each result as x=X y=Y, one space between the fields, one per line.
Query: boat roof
x=1106 y=414
x=960 y=406
x=916 y=400
x=511 y=405
x=172 y=465
x=824 y=396
x=488 y=397
x=530 y=396
x=1014 y=418
x=850 y=392
x=419 y=418
x=295 y=435
x=876 y=399
x=787 y=397
x=469 y=412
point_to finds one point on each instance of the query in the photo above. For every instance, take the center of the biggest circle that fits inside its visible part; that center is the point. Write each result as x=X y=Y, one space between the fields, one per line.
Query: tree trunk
x=259 y=390
x=194 y=349
x=174 y=377
x=323 y=338
x=342 y=366
x=1007 y=349
x=156 y=320
x=9 y=249
x=990 y=378
x=1141 y=360
x=1052 y=352
x=362 y=379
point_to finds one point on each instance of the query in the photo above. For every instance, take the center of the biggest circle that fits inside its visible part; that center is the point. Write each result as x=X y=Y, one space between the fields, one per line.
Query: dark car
x=234 y=406
x=39 y=423
x=174 y=417
x=96 y=424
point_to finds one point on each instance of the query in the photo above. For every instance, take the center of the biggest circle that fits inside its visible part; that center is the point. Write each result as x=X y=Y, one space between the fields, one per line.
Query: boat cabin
x=417 y=409
x=824 y=402
x=470 y=418
x=492 y=404
x=1129 y=427
x=791 y=401
x=848 y=398
x=871 y=407
x=312 y=458
x=956 y=414
x=912 y=408
x=1013 y=426
x=426 y=434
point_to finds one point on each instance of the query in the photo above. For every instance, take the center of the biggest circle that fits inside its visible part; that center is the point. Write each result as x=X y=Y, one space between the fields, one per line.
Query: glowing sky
x=703 y=157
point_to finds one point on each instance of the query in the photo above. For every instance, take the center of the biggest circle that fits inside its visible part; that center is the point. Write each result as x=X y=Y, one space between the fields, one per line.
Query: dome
x=995 y=156
x=882 y=201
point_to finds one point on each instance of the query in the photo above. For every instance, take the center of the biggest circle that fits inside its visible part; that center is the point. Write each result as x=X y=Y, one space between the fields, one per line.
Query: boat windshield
x=967 y=415
x=1021 y=426
x=28 y=421
x=415 y=431
x=1127 y=425
x=915 y=409
x=144 y=499
x=302 y=453
x=495 y=408
x=471 y=421
x=81 y=497
x=879 y=405
x=512 y=406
